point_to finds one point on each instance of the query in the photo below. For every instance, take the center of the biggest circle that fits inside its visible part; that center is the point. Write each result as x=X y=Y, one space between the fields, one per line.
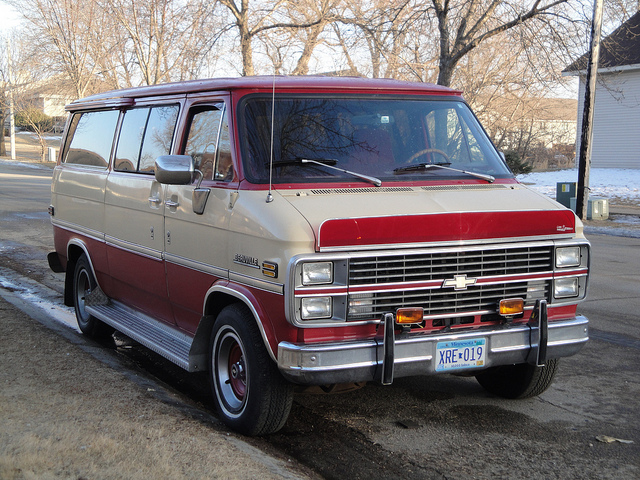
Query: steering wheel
x=427 y=150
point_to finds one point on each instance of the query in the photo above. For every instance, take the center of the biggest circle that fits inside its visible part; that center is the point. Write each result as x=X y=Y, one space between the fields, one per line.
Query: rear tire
x=83 y=284
x=518 y=381
x=251 y=395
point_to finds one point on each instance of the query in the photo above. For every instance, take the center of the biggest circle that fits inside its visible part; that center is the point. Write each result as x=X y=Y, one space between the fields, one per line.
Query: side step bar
x=162 y=339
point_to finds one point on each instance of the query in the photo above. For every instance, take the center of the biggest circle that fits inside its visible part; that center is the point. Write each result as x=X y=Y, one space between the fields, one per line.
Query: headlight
x=567 y=257
x=315 y=307
x=566 y=287
x=320 y=273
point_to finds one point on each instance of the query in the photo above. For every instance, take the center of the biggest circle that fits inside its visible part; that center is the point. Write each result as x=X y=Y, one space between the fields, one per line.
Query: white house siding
x=616 y=123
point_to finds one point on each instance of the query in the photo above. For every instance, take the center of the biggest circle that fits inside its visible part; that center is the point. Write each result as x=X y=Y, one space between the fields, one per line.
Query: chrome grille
x=439 y=302
x=435 y=266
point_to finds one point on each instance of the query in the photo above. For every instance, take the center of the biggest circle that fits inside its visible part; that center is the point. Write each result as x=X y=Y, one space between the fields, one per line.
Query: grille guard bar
x=413 y=354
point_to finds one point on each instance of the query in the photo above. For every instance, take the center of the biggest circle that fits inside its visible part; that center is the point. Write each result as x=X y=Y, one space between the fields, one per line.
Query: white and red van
x=312 y=231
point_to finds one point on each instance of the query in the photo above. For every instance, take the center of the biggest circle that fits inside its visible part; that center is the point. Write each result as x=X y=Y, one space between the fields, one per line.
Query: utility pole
x=12 y=124
x=584 y=159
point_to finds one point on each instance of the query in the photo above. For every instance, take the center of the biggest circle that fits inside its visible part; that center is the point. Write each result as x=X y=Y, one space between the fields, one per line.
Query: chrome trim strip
x=197 y=266
x=258 y=283
x=453 y=243
x=80 y=230
x=134 y=248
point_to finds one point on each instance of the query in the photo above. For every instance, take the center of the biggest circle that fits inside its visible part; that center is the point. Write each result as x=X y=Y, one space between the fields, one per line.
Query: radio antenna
x=273 y=109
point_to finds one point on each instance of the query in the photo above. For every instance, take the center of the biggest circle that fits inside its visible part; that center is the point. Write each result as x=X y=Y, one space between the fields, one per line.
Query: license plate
x=458 y=354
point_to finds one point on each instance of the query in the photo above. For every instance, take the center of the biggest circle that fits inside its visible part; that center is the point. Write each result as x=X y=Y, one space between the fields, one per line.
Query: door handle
x=155 y=201
x=172 y=204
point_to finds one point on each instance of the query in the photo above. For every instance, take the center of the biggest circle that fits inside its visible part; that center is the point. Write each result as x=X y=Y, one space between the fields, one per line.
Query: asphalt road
x=426 y=427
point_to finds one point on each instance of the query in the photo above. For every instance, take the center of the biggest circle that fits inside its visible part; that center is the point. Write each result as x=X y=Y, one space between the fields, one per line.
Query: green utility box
x=565 y=192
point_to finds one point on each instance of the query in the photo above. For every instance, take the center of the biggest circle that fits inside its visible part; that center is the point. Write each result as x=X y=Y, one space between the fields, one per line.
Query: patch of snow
x=619 y=184
x=52 y=137
x=37 y=166
x=62 y=314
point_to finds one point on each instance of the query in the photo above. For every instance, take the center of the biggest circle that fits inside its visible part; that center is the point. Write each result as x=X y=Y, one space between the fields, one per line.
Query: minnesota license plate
x=458 y=354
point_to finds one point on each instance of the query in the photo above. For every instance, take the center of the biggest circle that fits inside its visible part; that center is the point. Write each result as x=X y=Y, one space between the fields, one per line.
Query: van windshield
x=328 y=139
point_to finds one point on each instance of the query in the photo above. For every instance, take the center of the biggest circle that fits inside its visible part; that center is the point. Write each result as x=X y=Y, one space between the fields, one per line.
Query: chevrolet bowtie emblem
x=459 y=282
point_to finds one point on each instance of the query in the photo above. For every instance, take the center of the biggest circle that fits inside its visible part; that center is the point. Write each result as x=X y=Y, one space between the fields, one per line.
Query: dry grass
x=63 y=414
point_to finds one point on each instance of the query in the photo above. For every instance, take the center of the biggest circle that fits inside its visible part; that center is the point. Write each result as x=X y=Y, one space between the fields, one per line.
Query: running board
x=162 y=339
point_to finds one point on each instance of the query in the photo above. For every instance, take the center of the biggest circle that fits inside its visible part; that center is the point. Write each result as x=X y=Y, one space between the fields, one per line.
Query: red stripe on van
x=443 y=227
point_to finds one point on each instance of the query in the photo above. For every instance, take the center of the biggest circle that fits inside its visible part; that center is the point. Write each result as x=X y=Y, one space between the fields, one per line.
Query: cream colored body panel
x=77 y=195
x=199 y=241
x=134 y=213
x=273 y=232
x=318 y=207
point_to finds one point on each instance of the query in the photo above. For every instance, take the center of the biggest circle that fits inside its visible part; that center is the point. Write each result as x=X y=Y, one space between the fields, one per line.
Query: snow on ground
x=619 y=185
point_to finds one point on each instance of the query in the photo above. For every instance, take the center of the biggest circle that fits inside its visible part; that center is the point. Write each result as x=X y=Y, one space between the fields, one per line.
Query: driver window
x=445 y=133
x=208 y=143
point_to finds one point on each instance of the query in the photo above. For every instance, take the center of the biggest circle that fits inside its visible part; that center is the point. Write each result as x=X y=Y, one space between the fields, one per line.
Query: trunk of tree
x=247 y=55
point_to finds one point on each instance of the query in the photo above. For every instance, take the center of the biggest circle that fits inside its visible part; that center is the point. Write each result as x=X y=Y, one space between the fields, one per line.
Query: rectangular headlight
x=320 y=273
x=315 y=307
x=567 y=257
x=566 y=287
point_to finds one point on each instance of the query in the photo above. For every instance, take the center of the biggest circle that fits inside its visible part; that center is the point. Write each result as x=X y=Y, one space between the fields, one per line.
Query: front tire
x=518 y=381
x=251 y=395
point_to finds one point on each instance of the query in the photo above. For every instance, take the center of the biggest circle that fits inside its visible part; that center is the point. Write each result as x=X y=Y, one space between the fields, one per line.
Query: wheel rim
x=83 y=288
x=231 y=372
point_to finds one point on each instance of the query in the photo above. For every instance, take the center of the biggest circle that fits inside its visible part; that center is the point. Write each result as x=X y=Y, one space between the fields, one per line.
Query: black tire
x=250 y=394
x=518 y=381
x=83 y=284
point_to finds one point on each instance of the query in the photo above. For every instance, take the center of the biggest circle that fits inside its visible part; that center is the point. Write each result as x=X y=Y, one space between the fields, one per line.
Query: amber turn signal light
x=406 y=316
x=511 y=307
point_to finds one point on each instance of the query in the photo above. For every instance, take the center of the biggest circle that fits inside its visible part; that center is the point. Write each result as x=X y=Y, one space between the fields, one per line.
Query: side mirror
x=175 y=169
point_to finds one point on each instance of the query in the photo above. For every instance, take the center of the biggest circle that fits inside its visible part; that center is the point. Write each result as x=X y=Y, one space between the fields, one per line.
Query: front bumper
x=415 y=354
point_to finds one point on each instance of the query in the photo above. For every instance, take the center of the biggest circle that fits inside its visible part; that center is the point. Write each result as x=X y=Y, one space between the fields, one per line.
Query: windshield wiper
x=329 y=163
x=427 y=166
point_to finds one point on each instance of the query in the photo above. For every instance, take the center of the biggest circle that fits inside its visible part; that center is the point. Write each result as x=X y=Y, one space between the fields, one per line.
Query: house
x=541 y=130
x=616 y=120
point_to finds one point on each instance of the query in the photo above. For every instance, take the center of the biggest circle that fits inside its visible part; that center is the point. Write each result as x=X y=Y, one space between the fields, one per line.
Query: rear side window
x=91 y=137
x=146 y=133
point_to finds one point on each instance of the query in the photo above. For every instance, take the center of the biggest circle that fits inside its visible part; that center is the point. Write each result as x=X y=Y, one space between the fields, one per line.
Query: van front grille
x=478 y=299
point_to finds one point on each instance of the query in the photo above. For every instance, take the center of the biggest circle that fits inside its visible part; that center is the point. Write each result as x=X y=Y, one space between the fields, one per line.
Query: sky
x=10 y=17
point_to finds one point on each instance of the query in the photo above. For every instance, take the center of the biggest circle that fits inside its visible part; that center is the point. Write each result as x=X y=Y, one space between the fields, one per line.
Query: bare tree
x=383 y=27
x=168 y=38
x=464 y=25
x=61 y=37
x=252 y=22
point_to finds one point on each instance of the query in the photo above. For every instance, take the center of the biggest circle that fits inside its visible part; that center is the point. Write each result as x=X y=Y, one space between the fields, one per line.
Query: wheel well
x=74 y=253
x=214 y=304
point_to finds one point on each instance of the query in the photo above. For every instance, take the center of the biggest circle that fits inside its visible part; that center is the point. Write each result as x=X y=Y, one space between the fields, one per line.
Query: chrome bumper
x=415 y=354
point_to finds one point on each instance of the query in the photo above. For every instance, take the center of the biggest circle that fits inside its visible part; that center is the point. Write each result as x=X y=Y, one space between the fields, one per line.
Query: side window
x=91 y=136
x=208 y=143
x=224 y=165
x=130 y=140
x=157 y=136
x=145 y=134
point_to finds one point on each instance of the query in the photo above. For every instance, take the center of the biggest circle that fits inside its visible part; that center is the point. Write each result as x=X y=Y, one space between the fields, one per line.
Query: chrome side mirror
x=175 y=169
